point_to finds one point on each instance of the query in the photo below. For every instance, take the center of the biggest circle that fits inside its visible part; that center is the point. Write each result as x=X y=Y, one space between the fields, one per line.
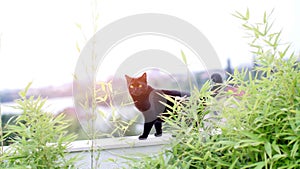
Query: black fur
x=150 y=102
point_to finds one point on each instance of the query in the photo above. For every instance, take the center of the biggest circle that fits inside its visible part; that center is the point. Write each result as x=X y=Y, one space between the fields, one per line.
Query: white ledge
x=118 y=143
x=113 y=150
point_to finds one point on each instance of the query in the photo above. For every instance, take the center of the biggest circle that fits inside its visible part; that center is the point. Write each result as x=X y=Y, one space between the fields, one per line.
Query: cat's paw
x=158 y=134
x=142 y=137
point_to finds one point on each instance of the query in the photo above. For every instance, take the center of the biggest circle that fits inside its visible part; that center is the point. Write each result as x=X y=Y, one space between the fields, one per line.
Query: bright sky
x=38 y=38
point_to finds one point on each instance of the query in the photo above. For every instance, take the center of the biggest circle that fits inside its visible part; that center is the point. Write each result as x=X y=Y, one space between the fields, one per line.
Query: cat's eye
x=131 y=86
x=140 y=86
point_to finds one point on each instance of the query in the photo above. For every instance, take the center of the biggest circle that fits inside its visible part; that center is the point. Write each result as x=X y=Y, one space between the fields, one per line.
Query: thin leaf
x=183 y=58
x=295 y=149
x=260 y=165
x=268 y=149
x=247 y=16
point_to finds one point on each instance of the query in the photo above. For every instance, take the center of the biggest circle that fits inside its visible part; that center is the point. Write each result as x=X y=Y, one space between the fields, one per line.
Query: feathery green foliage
x=40 y=139
x=260 y=129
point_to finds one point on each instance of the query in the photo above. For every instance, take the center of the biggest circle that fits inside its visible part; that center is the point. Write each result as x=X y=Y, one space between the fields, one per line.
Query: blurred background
x=40 y=41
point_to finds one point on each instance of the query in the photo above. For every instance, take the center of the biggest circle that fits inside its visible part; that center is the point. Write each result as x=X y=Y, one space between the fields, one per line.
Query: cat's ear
x=128 y=79
x=144 y=77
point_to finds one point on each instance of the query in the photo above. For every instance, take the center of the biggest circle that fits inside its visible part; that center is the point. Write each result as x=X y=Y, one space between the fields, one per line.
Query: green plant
x=261 y=129
x=119 y=126
x=40 y=139
x=98 y=107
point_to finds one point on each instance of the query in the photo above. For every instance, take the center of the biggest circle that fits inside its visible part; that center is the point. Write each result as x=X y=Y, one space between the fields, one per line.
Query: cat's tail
x=176 y=93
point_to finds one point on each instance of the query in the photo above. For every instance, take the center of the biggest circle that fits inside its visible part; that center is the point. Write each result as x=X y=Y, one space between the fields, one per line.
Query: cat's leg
x=147 y=129
x=158 y=128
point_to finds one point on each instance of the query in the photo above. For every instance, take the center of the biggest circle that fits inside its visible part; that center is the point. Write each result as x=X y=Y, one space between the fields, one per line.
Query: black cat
x=150 y=102
x=216 y=78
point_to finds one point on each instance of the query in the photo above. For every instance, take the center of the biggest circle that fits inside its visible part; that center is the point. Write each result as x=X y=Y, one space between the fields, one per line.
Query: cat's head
x=137 y=86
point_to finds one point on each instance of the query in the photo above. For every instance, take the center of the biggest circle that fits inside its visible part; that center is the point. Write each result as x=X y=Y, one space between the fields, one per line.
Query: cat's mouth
x=137 y=93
